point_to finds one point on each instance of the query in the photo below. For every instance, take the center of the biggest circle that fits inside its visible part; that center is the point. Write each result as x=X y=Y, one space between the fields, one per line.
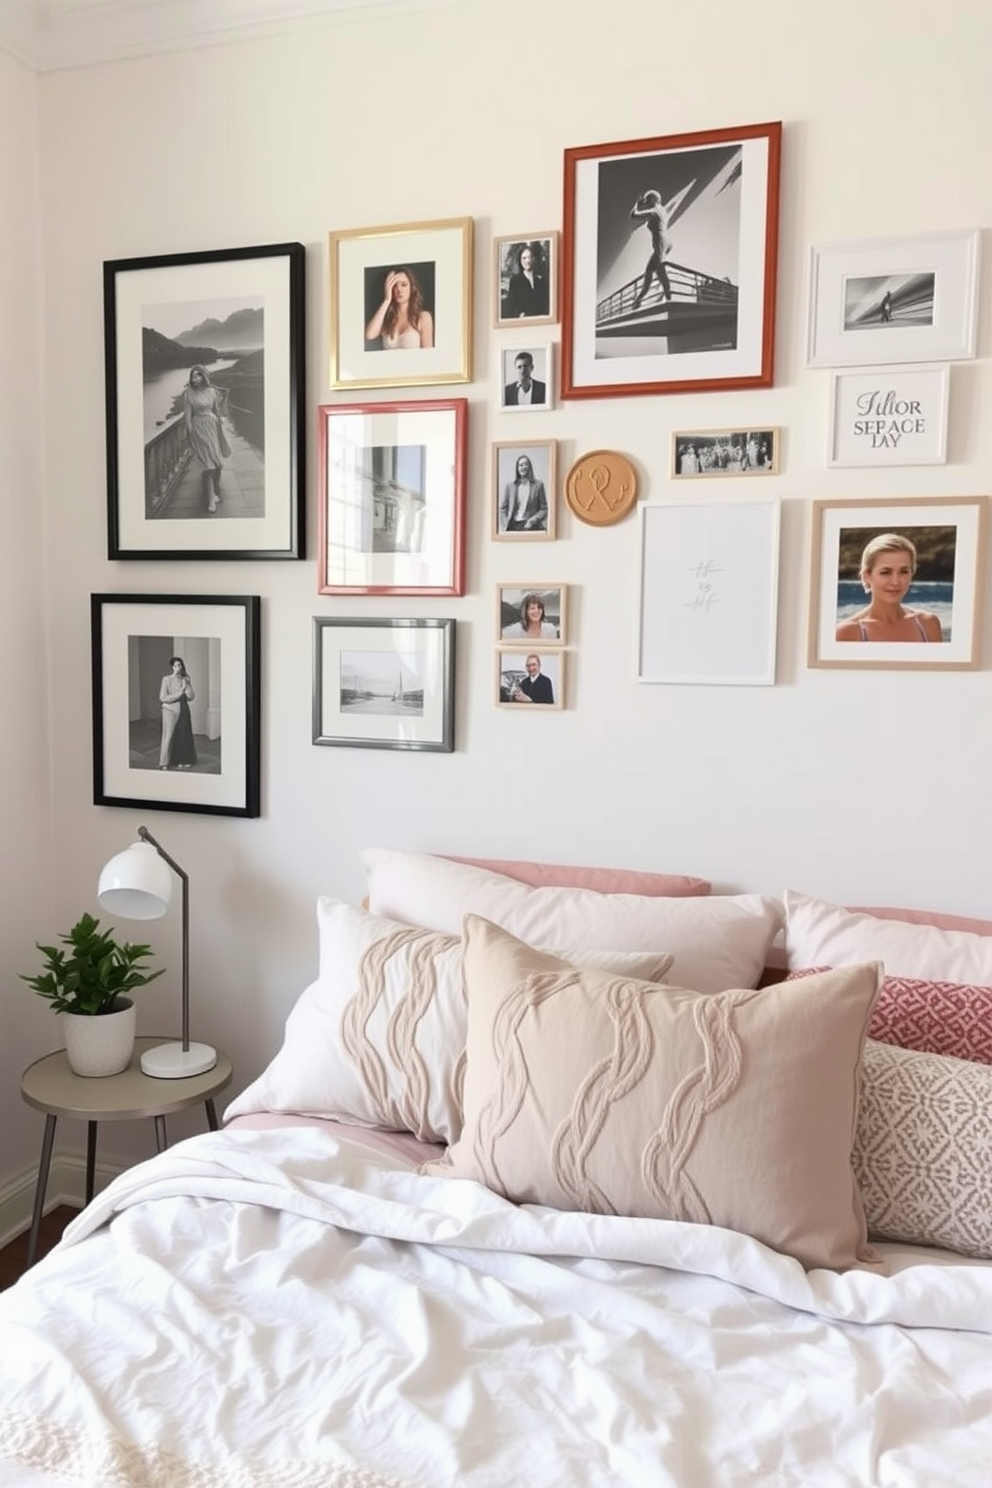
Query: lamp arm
x=183 y=877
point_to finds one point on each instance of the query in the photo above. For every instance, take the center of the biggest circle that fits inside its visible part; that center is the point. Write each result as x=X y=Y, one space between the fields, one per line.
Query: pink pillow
x=927 y=917
x=952 y=1018
x=602 y=880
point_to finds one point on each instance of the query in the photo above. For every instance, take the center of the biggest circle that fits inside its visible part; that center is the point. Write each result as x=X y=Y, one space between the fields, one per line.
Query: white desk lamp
x=137 y=885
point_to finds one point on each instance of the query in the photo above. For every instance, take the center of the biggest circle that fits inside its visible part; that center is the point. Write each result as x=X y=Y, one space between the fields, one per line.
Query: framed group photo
x=401 y=305
x=532 y=614
x=888 y=300
x=205 y=404
x=176 y=702
x=526 y=379
x=525 y=279
x=896 y=584
x=391 y=498
x=669 y=259
x=524 y=488
x=713 y=452
x=530 y=680
x=384 y=684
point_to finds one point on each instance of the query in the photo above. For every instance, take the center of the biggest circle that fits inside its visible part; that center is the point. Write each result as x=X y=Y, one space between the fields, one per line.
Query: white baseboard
x=66 y=1185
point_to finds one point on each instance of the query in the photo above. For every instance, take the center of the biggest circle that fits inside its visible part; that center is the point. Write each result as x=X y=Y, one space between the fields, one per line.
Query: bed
x=463 y=1229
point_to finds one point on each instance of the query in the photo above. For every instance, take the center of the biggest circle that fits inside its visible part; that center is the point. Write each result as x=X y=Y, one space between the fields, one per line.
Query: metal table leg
x=91 y=1127
x=211 y=1113
x=47 y=1143
x=161 y=1140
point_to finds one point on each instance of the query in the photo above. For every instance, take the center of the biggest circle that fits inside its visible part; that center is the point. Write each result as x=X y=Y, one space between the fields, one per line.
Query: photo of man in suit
x=526 y=392
x=535 y=687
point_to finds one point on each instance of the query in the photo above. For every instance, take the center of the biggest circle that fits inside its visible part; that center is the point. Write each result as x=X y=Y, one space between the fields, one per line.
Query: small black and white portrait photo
x=525 y=378
x=524 y=489
x=525 y=273
x=728 y=452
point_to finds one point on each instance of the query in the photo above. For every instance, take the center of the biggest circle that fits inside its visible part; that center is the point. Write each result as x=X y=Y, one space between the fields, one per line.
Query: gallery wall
x=864 y=786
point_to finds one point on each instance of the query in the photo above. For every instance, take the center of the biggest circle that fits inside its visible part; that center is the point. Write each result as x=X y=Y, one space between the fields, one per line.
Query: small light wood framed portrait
x=525 y=279
x=709 y=452
x=531 y=680
x=532 y=613
x=525 y=488
x=525 y=379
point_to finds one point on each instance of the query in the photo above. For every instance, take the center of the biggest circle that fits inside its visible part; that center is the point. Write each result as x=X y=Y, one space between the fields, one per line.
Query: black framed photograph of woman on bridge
x=669 y=259
x=206 y=415
x=888 y=300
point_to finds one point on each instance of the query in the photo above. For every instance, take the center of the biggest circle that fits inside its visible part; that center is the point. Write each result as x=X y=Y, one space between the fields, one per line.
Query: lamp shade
x=136 y=884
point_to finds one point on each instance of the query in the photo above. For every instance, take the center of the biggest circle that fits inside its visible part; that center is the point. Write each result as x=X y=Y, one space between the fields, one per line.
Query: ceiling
x=51 y=34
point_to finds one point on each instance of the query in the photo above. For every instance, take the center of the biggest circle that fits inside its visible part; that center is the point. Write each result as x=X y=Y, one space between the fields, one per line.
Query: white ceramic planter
x=100 y=1045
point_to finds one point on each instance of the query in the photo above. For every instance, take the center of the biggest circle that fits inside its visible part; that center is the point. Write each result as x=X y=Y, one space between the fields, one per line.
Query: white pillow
x=718 y=941
x=379 y=1038
x=818 y=933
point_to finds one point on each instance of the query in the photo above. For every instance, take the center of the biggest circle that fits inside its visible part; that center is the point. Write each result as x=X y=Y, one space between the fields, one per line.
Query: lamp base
x=173 y=1062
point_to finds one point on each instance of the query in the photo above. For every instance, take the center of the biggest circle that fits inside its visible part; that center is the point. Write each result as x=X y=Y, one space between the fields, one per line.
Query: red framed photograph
x=668 y=265
x=391 y=514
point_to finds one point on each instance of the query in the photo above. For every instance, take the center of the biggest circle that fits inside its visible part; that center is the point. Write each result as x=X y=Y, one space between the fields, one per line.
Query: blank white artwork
x=709 y=592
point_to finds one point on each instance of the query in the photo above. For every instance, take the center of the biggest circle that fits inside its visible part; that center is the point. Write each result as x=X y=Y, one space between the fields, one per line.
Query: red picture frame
x=670 y=250
x=391 y=513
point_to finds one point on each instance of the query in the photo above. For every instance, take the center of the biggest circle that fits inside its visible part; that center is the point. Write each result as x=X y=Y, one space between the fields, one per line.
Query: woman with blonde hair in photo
x=888 y=565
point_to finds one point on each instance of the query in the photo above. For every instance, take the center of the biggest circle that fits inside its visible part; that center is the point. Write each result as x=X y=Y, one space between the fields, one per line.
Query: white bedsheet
x=287 y=1308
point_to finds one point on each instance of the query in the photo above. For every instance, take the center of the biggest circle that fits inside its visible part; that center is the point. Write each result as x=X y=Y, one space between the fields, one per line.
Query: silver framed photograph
x=888 y=300
x=384 y=684
x=533 y=614
x=525 y=279
x=524 y=489
x=525 y=379
x=714 y=452
x=530 y=680
x=889 y=416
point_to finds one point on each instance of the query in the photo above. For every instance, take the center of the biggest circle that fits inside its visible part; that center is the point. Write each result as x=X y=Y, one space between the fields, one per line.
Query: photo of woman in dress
x=177 y=749
x=205 y=431
x=402 y=321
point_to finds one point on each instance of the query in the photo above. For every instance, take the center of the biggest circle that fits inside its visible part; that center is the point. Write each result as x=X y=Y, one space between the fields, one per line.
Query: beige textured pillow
x=589 y=1091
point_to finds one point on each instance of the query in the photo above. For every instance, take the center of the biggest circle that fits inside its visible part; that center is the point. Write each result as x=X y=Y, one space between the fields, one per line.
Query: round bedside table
x=50 y=1086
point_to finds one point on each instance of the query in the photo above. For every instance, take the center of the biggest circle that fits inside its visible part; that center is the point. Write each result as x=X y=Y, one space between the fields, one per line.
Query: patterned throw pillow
x=923 y=1149
x=953 y=1018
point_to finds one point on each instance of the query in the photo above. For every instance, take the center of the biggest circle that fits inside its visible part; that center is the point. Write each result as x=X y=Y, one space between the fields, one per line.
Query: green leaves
x=94 y=973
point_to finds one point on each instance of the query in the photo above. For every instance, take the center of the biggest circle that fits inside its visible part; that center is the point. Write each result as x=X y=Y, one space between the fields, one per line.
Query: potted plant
x=88 y=983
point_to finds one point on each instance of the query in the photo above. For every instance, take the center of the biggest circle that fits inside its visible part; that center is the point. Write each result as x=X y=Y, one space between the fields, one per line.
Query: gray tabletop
x=50 y=1085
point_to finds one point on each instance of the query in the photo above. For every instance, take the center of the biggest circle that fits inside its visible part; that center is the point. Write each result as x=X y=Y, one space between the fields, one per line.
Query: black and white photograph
x=705 y=452
x=524 y=490
x=384 y=684
x=176 y=702
x=205 y=369
x=391 y=509
x=894 y=300
x=525 y=378
x=532 y=614
x=526 y=271
x=530 y=680
x=669 y=263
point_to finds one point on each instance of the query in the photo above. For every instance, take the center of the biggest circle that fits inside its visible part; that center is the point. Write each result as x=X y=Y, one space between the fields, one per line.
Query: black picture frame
x=229 y=481
x=137 y=759
x=404 y=696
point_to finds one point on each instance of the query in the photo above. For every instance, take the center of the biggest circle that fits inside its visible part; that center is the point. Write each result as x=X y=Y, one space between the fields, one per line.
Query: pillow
x=821 y=934
x=923 y=1151
x=379 y=1037
x=932 y=1017
x=590 y=1091
x=718 y=941
x=603 y=880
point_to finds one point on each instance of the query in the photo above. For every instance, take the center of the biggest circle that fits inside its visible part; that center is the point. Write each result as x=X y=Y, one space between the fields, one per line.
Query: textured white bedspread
x=288 y=1308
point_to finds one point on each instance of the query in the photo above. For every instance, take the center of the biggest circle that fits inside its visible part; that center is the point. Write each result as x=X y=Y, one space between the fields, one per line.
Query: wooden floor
x=13 y=1257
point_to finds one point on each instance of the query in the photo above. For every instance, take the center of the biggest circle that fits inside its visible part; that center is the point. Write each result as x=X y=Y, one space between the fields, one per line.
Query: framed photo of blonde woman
x=897 y=584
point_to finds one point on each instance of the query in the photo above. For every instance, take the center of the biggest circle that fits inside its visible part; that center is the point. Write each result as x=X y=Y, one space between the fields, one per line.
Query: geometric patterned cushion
x=933 y=1017
x=923 y=1149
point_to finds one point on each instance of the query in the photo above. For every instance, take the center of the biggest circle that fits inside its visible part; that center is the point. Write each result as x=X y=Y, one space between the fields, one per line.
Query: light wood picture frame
x=524 y=494
x=528 y=688
x=707 y=453
x=525 y=279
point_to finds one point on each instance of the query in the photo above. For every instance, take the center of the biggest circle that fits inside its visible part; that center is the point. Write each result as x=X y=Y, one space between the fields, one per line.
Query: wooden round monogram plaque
x=601 y=487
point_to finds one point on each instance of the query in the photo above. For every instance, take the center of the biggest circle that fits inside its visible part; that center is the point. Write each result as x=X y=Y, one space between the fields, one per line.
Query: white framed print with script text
x=889 y=416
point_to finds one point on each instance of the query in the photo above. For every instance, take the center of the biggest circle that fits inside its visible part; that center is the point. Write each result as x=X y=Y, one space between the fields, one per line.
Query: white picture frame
x=542 y=376
x=708 y=607
x=889 y=416
x=931 y=282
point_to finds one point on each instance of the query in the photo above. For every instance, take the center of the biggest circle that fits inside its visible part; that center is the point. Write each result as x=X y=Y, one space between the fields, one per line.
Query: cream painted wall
x=861 y=786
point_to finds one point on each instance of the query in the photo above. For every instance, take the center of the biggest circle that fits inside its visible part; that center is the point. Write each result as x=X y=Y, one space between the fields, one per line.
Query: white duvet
x=288 y=1308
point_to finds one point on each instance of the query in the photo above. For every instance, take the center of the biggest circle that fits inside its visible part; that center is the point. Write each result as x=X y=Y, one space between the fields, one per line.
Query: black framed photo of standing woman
x=525 y=275
x=176 y=703
x=524 y=477
x=401 y=305
x=205 y=404
x=895 y=584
